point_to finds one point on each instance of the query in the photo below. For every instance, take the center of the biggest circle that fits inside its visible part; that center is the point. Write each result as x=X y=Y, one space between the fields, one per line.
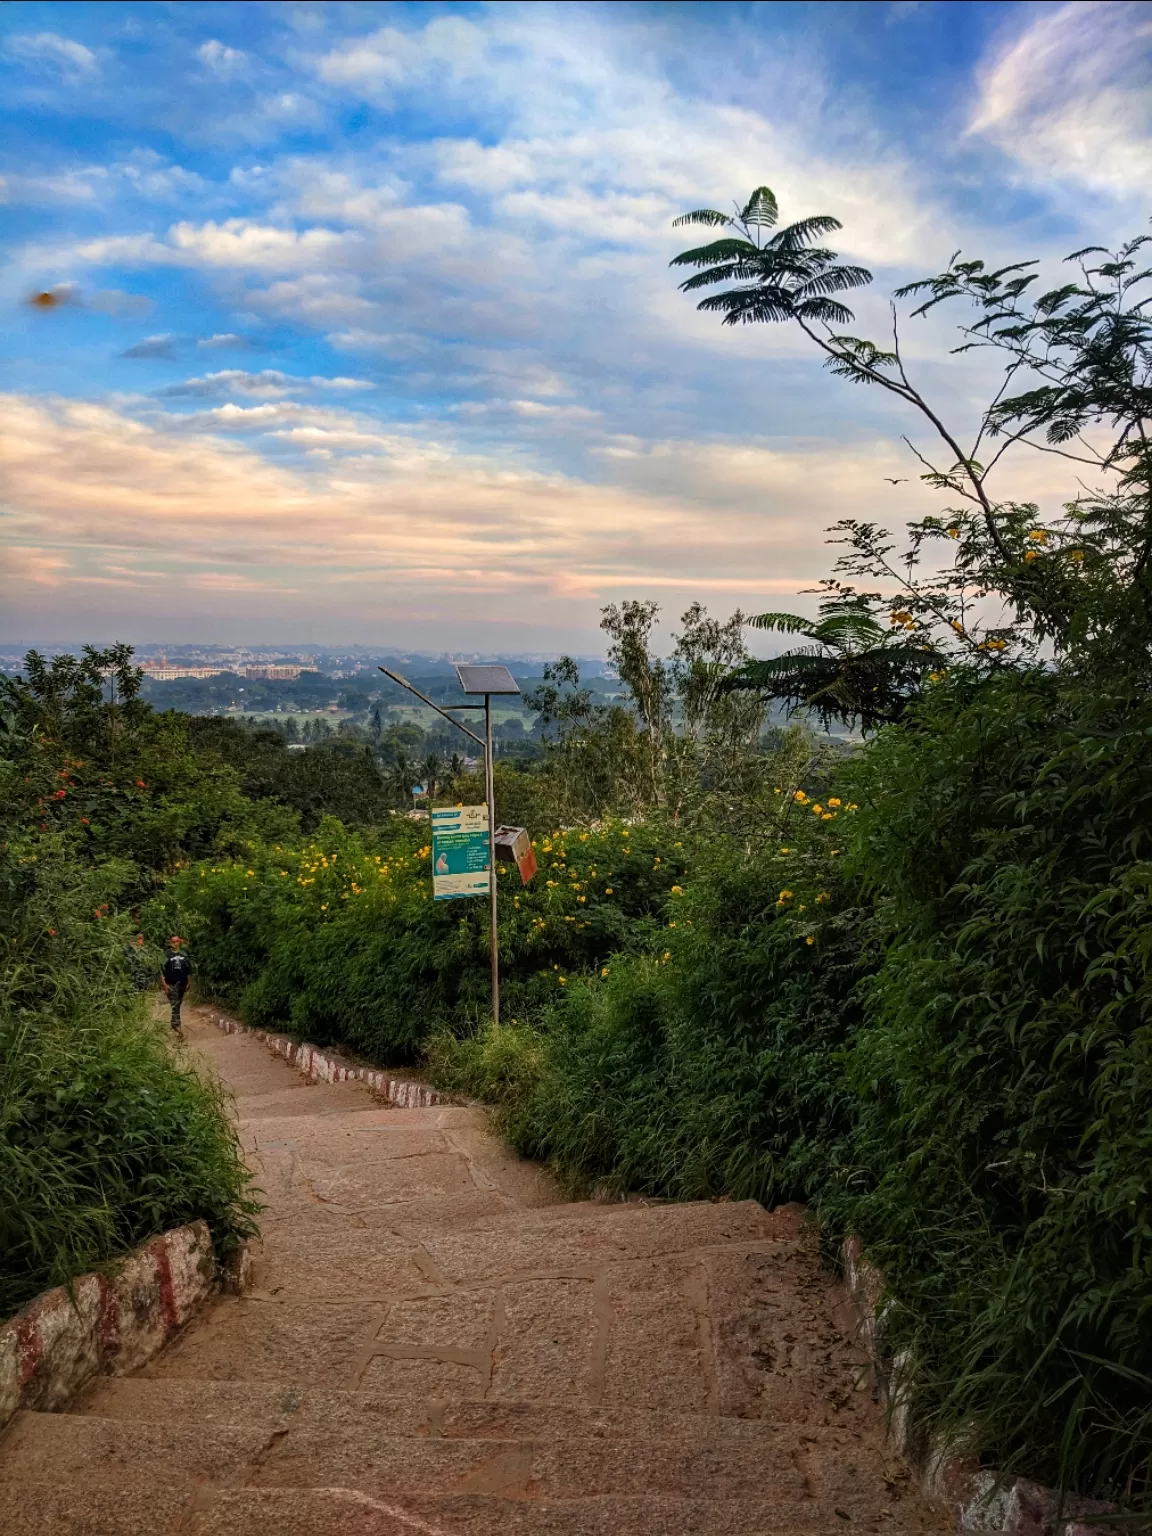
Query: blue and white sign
x=461 y=857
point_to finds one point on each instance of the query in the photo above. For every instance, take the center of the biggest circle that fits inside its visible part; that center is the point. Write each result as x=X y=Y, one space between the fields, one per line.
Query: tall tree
x=989 y=581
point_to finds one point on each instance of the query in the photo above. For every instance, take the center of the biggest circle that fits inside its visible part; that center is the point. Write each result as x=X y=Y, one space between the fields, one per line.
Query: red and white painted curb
x=321 y=1067
x=108 y=1324
x=981 y=1503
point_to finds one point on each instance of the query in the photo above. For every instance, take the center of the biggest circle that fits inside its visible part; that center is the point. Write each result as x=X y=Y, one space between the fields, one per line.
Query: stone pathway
x=437 y=1345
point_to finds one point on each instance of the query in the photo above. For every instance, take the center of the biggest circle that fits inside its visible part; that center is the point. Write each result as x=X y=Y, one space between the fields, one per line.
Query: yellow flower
x=666 y=956
x=800 y=797
x=809 y=940
x=563 y=980
x=323 y=906
x=828 y=816
x=833 y=800
x=823 y=896
x=607 y=890
x=1076 y=554
x=1038 y=535
x=900 y=618
x=953 y=533
x=677 y=890
x=550 y=884
x=604 y=970
x=817 y=810
x=1032 y=554
x=581 y=898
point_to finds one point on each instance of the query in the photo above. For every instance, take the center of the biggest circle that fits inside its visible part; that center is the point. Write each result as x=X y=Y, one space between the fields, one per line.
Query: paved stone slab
x=779 y=1352
x=348 y=1142
x=463 y=1320
x=175 y=1401
x=408 y=1216
x=52 y=1508
x=301 y=1098
x=425 y=1375
x=547 y=1341
x=343 y=1512
x=659 y=1349
x=246 y=1339
x=66 y=1447
x=357 y=1186
x=605 y=1236
x=363 y=1458
x=331 y=1262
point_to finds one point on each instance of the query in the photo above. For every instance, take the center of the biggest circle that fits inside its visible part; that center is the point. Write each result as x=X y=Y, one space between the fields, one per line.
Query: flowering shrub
x=339 y=938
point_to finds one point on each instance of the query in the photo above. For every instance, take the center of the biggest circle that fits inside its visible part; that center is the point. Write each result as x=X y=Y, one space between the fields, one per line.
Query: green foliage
x=784 y=276
x=709 y=1061
x=1005 y=1072
x=335 y=778
x=105 y=1140
x=853 y=670
x=343 y=943
x=710 y=1065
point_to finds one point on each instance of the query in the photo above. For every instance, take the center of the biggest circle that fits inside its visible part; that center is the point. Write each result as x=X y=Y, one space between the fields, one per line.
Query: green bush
x=1004 y=1076
x=339 y=938
x=711 y=1064
x=105 y=1140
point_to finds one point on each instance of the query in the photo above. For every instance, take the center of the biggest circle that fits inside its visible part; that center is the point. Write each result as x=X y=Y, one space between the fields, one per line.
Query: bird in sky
x=896 y=482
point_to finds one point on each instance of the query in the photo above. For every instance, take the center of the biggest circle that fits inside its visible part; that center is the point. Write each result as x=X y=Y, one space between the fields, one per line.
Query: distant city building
x=164 y=674
x=273 y=674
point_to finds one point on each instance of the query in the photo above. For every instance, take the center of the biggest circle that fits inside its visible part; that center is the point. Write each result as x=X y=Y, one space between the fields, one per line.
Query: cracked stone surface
x=436 y=1344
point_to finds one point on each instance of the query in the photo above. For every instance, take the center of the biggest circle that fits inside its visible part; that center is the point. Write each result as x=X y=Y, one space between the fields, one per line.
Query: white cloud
x=152 y=346
x=26 y=563
x=50 y=48
x=268 y=384
x=219 y=58
x=1069 y=96
x=143 y=173
x=448 y=49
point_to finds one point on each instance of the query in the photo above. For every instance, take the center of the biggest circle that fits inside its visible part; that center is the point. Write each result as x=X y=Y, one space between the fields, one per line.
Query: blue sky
x=366 y=328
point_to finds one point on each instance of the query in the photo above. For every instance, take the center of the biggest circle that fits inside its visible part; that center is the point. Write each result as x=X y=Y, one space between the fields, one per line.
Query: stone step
x=352 y=1447
x=77 y=1447
x=142 y=1508
x=277 y=1405
x=317 y=1260
x=51 y=1508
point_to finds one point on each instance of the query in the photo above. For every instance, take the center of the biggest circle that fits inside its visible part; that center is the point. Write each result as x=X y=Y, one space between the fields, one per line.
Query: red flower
x=59 y=795
x=85 y=821
x=140 y=784
x=52 y=931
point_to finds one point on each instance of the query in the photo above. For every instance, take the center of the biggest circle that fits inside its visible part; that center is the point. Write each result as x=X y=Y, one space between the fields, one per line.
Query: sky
x=366 y=331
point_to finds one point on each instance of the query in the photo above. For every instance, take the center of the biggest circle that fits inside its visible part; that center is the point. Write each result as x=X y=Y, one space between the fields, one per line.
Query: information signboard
x=460 y=852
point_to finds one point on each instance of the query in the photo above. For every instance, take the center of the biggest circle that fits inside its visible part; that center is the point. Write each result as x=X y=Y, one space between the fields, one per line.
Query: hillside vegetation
x=906 y=981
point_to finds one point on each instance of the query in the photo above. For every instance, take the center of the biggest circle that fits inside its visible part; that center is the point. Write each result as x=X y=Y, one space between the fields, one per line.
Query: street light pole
x=500 y=684
x=490 y=792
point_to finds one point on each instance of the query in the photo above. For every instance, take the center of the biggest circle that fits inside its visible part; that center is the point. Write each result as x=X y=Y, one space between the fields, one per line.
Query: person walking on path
x=175 y=976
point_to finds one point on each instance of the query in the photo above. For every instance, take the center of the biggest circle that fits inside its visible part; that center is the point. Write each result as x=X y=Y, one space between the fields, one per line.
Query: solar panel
x=487 y=680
